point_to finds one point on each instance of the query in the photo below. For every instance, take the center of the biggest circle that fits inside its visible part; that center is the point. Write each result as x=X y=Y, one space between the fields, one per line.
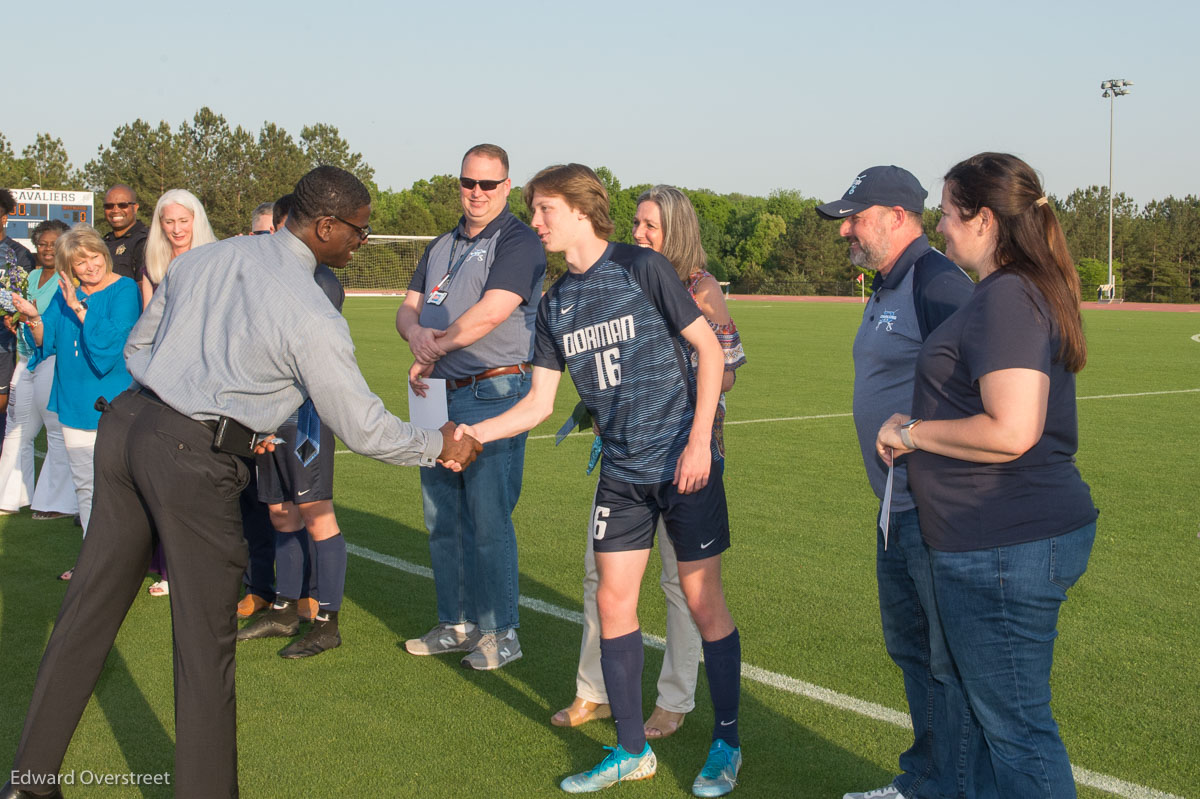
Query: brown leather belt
x=487 y=374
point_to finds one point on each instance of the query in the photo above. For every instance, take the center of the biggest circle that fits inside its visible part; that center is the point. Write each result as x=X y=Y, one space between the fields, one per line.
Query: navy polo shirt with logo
x=505 y=255
x=918 y=293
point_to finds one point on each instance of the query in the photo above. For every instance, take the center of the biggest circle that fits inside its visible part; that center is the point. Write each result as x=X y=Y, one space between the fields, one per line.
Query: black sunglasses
x=122 y=206
x=363 y=232
x=487 y=185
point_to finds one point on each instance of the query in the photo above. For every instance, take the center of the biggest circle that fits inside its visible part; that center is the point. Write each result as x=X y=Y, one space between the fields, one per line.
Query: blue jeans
x=1000 y=615
x=472 y=541
x=944 y=734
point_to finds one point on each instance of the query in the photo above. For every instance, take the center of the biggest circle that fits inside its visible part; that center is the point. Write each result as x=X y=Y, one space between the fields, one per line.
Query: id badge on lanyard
x=437 y=295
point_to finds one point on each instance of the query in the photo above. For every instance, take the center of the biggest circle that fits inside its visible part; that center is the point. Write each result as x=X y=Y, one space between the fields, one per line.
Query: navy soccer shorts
x=625 y=515
x=282 y=477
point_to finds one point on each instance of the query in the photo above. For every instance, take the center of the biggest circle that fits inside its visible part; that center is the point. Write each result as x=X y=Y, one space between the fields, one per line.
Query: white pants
x=81 y=446
x=27 y=413
x=677 y=680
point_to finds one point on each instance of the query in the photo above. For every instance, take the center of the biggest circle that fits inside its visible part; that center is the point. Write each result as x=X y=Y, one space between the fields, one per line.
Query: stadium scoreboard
x=37 y=205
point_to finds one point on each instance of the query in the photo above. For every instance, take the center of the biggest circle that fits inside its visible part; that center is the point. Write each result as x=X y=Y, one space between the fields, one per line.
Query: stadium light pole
x=1117 y=87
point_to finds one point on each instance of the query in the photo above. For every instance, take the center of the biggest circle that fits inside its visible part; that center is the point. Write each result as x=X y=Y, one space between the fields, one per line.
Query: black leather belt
x=149 y=394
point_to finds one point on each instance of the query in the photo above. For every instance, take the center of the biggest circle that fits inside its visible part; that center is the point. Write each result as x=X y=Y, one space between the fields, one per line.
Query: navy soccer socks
x=291 y=560
x=723 y=665
x=329 y=573
x=621 y=662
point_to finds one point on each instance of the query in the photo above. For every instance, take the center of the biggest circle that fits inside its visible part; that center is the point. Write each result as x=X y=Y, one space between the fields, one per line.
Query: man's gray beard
x=870 y=258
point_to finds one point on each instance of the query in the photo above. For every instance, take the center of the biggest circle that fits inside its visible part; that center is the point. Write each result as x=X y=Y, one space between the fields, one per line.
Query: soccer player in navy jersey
x=619 y=319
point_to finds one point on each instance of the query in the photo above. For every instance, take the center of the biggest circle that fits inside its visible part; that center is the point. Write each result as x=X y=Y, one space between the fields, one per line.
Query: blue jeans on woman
x=999 y=610
x=472 y=541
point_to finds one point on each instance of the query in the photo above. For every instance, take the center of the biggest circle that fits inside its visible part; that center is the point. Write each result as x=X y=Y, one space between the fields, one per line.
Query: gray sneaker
x=493 y=651
x=443 y=638
x=886 y=792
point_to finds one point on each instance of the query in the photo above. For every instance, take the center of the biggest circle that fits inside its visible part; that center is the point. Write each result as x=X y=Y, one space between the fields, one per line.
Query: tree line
x=773 y=244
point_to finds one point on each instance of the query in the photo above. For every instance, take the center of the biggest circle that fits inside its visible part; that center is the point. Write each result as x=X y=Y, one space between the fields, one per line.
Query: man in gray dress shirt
x=237 y=329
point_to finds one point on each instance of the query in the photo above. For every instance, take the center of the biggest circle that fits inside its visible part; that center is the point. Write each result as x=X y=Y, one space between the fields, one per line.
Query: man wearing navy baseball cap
x=915 y=289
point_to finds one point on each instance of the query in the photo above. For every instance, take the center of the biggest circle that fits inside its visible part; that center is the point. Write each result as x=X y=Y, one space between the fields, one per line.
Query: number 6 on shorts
x=599 y=526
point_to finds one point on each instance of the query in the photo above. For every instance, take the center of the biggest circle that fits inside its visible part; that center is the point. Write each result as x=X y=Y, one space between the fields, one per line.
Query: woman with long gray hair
x=179 y=224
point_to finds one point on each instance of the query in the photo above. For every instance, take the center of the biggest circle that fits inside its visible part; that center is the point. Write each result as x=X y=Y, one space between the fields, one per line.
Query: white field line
x=845 y=415
x=1142 y=394
x=781 y=682
x=740 y=421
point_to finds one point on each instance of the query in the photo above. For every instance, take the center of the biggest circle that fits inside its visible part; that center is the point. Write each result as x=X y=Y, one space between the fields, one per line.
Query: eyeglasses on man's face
x=363 y=232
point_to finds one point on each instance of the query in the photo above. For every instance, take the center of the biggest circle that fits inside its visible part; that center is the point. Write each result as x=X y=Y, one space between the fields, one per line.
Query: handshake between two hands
x=459 y=447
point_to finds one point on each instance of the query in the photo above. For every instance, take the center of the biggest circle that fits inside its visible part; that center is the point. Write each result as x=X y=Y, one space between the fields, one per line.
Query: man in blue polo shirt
x=468 y=318
x=915 y=289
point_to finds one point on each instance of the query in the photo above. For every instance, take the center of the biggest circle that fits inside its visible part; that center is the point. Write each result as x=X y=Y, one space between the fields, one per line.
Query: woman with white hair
x=180 y=224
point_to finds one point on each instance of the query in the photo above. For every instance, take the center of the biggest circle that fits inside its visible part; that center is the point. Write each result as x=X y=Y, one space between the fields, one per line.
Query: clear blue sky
x=742 y=96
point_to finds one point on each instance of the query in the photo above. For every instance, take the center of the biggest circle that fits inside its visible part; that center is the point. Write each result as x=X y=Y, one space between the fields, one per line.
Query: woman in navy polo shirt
x=1007 y=517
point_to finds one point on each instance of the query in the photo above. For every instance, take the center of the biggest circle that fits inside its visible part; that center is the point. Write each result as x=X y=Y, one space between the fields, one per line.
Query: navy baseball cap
x=879 y=185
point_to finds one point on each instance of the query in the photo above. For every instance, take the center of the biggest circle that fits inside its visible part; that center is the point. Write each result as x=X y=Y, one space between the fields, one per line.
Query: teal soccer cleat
x=720 y=771
x=616 y=767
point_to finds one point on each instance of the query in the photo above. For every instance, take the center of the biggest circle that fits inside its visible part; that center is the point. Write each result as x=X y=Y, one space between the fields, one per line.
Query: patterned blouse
x=731 y=345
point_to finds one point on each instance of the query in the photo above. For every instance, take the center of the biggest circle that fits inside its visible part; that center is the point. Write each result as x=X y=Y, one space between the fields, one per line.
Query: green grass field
x=367 y=719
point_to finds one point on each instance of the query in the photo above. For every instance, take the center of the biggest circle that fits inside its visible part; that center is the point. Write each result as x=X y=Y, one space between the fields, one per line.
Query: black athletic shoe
x=9 y=791
x=277 y=622
x=323 y=635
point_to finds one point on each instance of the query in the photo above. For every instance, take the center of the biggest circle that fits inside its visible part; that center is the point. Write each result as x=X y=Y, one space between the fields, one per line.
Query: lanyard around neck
x=452 y=265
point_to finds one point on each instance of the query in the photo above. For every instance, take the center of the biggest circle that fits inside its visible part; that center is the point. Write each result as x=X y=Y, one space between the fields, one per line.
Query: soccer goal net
x=384 y=264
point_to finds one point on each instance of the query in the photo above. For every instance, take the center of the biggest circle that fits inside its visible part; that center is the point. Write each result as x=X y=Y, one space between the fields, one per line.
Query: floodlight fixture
x=1114 y=88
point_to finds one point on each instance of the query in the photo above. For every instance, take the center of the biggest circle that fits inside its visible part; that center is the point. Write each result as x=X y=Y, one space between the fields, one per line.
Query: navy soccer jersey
x=616 y=327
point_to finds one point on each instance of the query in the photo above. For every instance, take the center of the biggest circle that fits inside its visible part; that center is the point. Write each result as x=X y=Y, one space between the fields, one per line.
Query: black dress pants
x=153 y=466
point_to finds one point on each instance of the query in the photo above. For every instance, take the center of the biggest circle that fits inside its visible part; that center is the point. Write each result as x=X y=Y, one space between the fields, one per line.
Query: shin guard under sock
x=621 y=662
x=308 y=581
x=329 y=573
x=723 y=665
x=289 y=564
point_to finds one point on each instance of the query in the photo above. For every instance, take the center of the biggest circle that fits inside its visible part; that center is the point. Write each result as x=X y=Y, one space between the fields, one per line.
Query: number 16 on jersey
x=608 y=368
